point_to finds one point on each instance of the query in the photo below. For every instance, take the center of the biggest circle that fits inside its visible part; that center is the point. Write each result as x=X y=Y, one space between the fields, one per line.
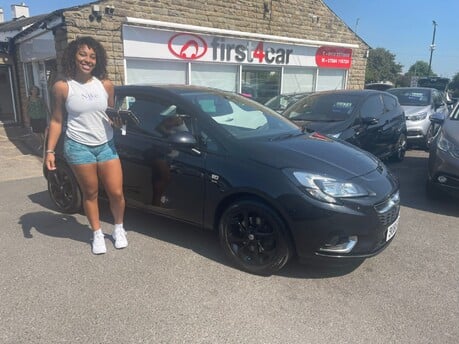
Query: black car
x=372 y=120
x=226 y=163
x=443 y=165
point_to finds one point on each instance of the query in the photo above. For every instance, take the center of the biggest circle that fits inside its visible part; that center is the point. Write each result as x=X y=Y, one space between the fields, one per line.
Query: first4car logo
x=187 y=46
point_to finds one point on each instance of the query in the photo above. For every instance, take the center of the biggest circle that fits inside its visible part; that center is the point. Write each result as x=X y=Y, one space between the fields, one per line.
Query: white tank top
x=87 y=122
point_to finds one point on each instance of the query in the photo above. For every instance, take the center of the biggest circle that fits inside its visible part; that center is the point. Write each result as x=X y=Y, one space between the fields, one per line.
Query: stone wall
x=305 y=19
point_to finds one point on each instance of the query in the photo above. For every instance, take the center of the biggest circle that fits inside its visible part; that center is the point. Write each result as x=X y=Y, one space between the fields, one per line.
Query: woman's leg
x=111 y=176
x=86 y=175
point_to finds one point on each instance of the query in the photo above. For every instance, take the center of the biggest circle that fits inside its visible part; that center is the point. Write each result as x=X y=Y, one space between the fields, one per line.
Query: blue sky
x=404 y=27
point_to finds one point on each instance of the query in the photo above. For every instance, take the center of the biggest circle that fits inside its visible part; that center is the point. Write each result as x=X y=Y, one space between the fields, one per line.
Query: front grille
x=389 y=217
x=388 y=210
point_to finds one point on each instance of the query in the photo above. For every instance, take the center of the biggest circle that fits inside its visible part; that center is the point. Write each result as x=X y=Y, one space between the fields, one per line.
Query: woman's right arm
x=59 y=95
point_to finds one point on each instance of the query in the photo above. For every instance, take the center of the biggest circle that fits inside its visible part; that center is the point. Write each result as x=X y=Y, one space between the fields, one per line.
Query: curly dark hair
x=68 y=59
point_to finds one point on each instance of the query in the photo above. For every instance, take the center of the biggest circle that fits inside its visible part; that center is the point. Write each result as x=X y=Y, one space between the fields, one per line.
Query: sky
x=404 y=27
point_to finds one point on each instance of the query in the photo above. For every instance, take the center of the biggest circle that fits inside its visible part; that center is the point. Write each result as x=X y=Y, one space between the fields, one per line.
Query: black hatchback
x=372 y=120
x=226 y=163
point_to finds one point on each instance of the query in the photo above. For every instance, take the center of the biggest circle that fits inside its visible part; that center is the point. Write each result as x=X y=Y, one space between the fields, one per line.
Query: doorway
x=7 y=108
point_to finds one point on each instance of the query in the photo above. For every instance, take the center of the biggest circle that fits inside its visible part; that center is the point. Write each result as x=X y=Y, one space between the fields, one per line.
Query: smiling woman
x=88 y=145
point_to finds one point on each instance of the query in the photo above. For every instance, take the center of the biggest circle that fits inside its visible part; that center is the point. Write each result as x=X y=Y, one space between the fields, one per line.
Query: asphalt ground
x=174 y=285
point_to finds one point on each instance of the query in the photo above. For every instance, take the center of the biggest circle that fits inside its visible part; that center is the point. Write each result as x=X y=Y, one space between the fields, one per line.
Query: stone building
x=257 y=47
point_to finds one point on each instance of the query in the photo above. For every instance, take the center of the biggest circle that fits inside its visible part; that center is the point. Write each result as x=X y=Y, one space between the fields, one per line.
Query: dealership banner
x=141 y=42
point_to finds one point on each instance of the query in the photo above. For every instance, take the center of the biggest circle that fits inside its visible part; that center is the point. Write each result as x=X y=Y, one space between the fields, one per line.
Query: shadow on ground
x=202 y=242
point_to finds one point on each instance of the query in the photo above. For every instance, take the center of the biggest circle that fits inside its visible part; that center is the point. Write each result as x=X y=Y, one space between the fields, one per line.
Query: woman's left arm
x=108 y=85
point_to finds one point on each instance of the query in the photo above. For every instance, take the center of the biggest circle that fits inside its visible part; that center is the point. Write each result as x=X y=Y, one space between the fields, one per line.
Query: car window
x=239 y=116
x=156 y=117
x=327 y=107
x=372 y=107
x=390 y=103
x=412 y=96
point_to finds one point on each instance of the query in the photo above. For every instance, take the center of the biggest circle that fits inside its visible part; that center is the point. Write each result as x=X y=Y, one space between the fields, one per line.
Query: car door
x=394 y=123
x=158 y=175
x=373 y=124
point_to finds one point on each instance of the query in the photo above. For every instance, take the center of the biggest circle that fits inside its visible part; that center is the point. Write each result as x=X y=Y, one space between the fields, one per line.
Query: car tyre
x=64 y=190
x=254 y=237
x=400 y=149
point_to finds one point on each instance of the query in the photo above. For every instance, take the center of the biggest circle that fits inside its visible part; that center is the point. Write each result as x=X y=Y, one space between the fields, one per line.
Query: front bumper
x=316 y=227
x=417 y=130
x=443 y=171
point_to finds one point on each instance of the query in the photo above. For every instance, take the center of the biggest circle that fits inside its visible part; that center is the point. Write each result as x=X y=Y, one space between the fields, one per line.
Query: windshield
x=241 y=117
x=412 y=97
x=326 y=107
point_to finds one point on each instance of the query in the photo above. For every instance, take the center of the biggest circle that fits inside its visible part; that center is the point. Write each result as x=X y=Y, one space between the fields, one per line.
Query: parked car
x=419 y=104
x=443 y=165
x=379 y=86
x=372 y=120
x=441 y=84
x=224 y=162
x=283 y=101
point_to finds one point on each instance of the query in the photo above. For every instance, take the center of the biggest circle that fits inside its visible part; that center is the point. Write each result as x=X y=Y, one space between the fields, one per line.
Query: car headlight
x=418 y=117
x=447 y=146
x=327 y=189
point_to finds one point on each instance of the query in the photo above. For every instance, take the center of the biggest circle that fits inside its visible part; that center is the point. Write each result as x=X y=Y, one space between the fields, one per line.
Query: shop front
x=37 y=57
x=258 y=66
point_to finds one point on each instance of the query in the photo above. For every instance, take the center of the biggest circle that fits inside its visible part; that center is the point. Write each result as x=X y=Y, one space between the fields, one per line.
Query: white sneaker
x=98 y=243
x=119 y=234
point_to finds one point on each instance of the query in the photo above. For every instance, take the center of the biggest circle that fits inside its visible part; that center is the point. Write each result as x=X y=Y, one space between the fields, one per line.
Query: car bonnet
x=314 y=153
x=411 y=110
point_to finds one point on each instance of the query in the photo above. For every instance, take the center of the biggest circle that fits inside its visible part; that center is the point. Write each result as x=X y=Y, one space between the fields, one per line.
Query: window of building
x=331 y=79
x=155 y=72
x=260 y=84
x=219 y=76
x=297 y=80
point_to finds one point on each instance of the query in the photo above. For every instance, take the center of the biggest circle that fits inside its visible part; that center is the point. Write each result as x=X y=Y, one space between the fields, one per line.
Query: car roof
x=362 y=93
x=171 y=87
x=412 y=88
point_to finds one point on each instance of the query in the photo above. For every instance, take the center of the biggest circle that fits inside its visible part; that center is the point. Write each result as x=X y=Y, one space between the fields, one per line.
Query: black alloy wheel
x=254 y=237
x=63 y=189
x=400 y=148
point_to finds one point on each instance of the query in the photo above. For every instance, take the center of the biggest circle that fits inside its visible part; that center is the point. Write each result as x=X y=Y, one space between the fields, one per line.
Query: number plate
x=392 y=229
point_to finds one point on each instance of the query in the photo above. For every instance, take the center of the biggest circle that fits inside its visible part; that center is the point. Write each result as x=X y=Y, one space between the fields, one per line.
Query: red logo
x=187 y=46
x=334 y=57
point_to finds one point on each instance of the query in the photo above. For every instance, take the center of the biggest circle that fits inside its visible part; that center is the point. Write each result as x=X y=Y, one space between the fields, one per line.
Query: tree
x=420 y=68
x=381 y=66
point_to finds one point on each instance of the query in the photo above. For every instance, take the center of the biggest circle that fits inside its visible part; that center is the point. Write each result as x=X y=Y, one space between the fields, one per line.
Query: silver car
x=443 y=166
x=419 y=104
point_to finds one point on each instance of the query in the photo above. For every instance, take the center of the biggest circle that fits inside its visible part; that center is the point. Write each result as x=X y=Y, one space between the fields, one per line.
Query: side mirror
x=182 y=138
x=437 y=118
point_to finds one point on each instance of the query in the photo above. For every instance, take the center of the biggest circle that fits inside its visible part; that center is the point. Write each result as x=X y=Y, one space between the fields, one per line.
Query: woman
x=88 y=144
x=37 y=113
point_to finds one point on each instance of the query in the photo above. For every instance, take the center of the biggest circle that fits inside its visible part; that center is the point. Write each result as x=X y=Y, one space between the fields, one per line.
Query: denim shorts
x=77 y=153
